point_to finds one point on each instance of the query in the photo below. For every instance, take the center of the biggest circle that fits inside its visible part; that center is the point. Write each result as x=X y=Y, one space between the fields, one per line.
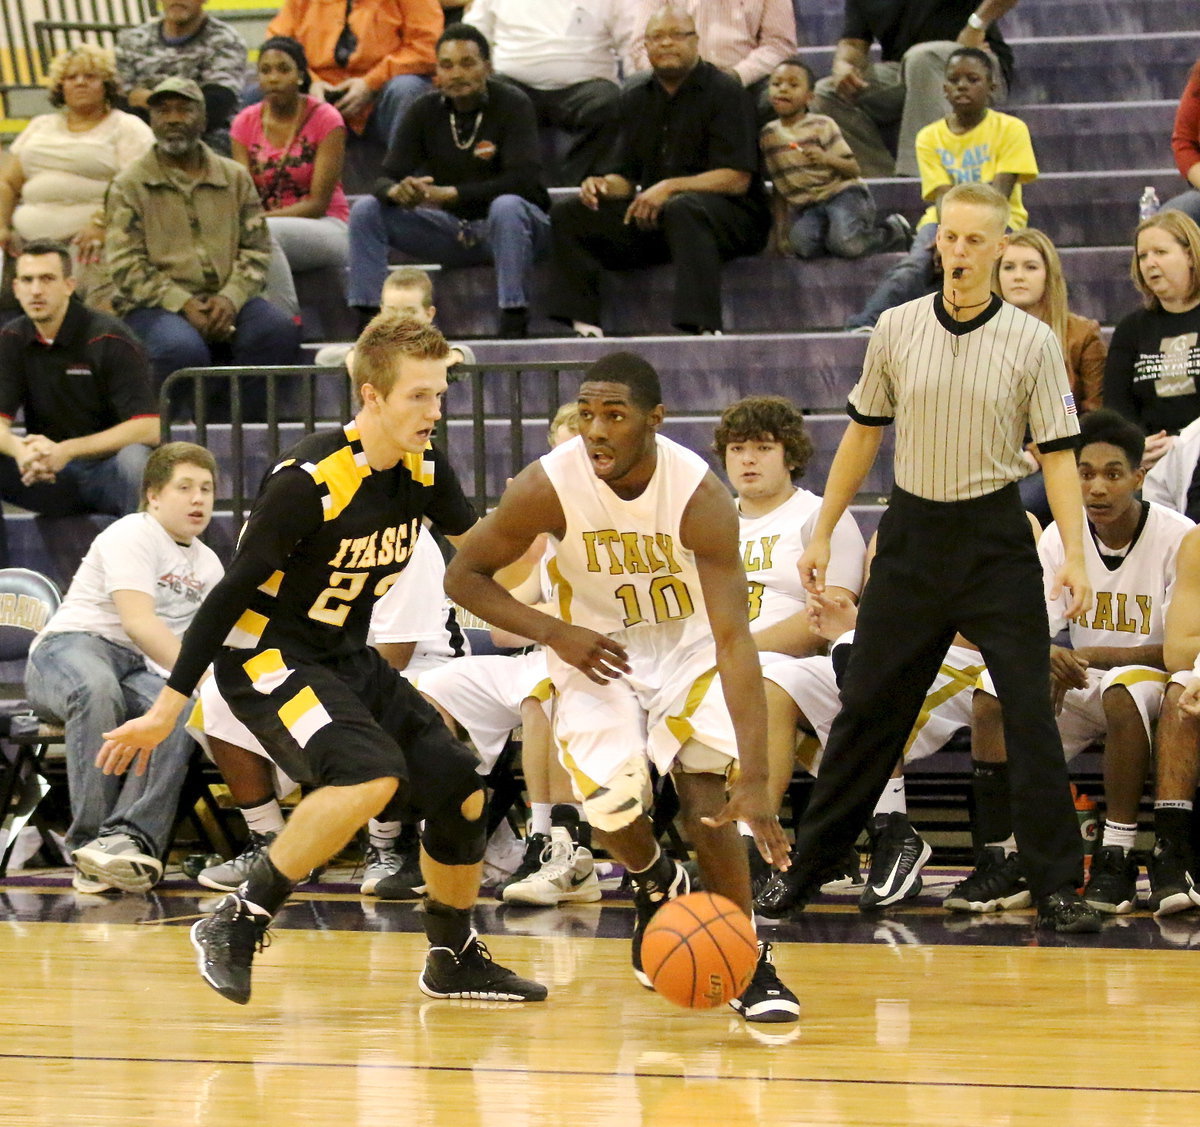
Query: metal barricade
x=249 y=416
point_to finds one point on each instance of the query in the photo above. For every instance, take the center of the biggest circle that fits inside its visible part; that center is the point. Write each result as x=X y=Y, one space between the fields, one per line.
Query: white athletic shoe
x=567 y=873
x=118 y=861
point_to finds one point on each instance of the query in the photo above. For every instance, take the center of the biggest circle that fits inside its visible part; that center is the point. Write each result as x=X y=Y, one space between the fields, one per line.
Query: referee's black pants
x=941 y=568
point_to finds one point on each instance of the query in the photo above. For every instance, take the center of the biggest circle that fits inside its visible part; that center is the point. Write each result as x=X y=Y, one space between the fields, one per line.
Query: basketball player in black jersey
x=331 y=529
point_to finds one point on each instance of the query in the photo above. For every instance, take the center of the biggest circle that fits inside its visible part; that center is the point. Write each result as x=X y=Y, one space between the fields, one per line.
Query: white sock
x=383 y=834
x=893 y=799
x=657 y=855
x=539 y=821
x=266 y=818
x=1009 y=845
x=1120 y=833
x=583 y=329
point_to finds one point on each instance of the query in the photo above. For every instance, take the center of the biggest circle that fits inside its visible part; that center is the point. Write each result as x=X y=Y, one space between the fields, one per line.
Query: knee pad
x=622 y=800
x=450 y=837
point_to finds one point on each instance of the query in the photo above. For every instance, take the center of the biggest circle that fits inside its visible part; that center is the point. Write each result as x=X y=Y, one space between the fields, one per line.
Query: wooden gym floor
x=916 y=1018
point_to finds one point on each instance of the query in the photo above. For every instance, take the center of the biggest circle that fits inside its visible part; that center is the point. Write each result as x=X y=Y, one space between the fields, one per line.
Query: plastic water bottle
x=1148 y=205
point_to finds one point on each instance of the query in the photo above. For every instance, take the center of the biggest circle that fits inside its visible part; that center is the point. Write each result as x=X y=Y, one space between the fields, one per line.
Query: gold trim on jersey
x=247 y=632
x=196 y=716
x=681 y=726
x=585 y=787
x=1136 y=674
x=267 y=671
x=420 y=466
x=304 y=715
x=959 y=681
x=559 y=584
x=543 y=690
x=272 y=585
x=338 y=477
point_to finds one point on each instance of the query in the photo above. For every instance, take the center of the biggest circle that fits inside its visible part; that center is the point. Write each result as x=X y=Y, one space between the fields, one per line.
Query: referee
x=961 y=374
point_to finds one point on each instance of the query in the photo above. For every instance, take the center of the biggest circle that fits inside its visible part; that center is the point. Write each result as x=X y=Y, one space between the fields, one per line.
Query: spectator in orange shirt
x=371 y=58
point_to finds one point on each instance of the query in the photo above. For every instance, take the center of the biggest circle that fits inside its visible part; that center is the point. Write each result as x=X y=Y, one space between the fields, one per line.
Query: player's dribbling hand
x=133 y=740
x=748 y=803
x=597 y=656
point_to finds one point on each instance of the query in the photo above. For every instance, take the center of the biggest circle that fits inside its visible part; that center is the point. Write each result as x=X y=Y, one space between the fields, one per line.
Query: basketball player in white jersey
x=1109 y=685
x=653 y=633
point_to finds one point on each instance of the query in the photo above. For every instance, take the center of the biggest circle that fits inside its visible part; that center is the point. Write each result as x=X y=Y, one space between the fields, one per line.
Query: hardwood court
x=106 y=1022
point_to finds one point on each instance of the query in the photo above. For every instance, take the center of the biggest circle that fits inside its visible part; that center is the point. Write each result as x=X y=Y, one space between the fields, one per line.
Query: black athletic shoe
x=898 y=854
x=1066 y=912
x=996 y=885
x=786 y=892
x=530 y=863
x=648 y=897
x=1171 y=886
x=766 y=999
x=473 y=973
x=407 y=883
x=225 y=943
x=760 y=871
x=844 y=874
x=1112 y=881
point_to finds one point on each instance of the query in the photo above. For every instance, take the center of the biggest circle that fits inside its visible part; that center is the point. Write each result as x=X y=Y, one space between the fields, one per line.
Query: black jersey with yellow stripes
x=326 y=538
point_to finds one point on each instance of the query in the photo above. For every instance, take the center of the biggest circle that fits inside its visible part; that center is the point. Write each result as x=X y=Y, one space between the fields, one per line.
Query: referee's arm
x=1061 y=477
x=853 y=461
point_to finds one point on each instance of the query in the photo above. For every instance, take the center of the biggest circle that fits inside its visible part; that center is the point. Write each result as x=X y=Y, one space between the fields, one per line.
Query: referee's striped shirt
x=962 y=393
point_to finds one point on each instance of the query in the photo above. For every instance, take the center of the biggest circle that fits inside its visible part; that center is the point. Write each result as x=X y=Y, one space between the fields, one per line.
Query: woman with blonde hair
x=1029 y=275
x=1153 y=372
x=52 y=185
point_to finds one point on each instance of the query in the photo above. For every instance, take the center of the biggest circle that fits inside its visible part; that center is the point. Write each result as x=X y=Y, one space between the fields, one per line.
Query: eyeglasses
x=669 y=37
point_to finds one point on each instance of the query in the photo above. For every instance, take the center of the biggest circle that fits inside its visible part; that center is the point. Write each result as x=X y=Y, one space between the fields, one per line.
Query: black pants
x=697 y=231
x=942 y=568
x=588 y=111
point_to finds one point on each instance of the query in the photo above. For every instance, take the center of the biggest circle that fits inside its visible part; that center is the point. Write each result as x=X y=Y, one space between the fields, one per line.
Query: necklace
x=459 y=143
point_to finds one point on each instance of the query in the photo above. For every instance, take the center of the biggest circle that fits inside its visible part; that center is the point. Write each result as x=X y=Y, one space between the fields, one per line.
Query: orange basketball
x=699 y=950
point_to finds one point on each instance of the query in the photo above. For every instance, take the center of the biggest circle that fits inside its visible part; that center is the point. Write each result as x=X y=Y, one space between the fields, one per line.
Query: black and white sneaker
x=1066 y=912
x=530 y=863
x=786 y=892
x=898 y=853
x=648 y=897
x=473 y=973
x=1172 y=888
x=1112 y=880
x=406 y=882
x=225 y=943
x=766 y=999
x=229 y=875
x=996 y=885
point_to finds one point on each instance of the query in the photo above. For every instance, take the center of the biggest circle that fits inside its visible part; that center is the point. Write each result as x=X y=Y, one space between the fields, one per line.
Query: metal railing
x=249 y=416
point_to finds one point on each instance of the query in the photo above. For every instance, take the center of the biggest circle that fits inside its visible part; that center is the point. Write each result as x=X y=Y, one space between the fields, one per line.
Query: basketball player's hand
x=133 y=740
x=748 y=803
x=1189 y=699
x=813 y=564
x=1072 y=576
x=595 y=655
x=831 y=616
x=1067 y=671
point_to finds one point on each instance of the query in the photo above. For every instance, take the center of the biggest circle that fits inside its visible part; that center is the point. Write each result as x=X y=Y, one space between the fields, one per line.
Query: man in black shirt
x=684 y=188
x=83 y=385
x=870 y=101
x=286 y=630
x=462 y=184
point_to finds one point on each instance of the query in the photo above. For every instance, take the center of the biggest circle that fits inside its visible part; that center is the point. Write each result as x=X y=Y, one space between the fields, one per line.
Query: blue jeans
x=263 y=334
x=1188 y=202
x=843 y=225
x=514 y=234
x=911 y=277
x=90 y=685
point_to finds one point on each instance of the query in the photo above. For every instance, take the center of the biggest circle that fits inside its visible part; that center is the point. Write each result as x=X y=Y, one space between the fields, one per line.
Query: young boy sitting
x=820 y=204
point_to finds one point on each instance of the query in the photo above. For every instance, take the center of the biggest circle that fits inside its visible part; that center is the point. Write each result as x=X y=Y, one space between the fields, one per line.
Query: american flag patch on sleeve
x=1069 y=403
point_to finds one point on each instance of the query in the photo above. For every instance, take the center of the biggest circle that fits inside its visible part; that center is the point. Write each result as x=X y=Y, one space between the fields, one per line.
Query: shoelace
x=554 y=866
